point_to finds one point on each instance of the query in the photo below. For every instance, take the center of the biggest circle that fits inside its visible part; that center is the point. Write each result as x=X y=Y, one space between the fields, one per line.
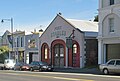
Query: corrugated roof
x=84 y=25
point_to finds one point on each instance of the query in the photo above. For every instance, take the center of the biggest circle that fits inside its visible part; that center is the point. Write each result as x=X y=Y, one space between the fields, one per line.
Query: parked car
x=25 y=67
x=36 y=65
x=112 y=66
x=9 y=64
x=18 y=66
x=21 y=66
x=1 y=65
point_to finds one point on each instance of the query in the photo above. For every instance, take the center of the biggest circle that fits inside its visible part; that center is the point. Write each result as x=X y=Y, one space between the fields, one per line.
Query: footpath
x=78 y=70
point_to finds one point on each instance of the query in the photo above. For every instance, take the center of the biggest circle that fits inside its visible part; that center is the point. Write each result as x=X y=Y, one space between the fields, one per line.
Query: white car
x=112 y=66
x=9 y=64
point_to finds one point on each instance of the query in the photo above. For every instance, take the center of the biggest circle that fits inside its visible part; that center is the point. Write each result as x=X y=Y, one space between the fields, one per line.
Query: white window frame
x=111 y=24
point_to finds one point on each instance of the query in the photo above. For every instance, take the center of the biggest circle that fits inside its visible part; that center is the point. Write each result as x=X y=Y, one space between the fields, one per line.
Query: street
x=9 y=75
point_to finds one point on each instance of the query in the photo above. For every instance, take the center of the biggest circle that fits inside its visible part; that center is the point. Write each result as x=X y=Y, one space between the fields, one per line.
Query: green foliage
x=4 y=52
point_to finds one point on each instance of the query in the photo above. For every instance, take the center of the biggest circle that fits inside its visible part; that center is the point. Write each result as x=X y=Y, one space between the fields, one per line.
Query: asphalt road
x=6 y=75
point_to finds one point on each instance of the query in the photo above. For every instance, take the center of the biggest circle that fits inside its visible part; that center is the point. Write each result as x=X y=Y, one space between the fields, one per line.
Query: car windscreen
x=43 y=63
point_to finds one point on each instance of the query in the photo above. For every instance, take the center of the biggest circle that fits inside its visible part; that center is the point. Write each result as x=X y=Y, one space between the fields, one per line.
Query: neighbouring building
x=4 y=39
x=32 y=47
x=69 y=43
x=109 y=30
x=25 y=47
x=17 y=48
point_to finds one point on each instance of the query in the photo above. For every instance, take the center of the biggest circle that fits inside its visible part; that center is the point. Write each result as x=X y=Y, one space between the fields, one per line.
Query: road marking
x=63 y=78
x=73 y=79
x=81 y=74
x=78 y=74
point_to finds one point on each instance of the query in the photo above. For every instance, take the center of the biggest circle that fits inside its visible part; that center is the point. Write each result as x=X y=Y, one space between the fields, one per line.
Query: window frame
x=111 y=24
x=18 y=41
x=111 y=2
x=109 y=63
x=75 y=48
x=22 y=42
x=45 y=52
x=117 y=62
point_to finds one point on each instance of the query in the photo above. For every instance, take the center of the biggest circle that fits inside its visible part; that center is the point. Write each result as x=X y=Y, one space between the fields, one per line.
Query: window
x=45 y=52
x=15 y=42
x=74 y=48
x=111 y=24
x=18 y=42
x=111 y=62
x=118 y=62
x=31 y=43
x=22 y=42
x=111 y=2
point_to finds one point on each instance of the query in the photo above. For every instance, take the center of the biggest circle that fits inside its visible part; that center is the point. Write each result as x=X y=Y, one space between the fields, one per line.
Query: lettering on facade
x=58 y=32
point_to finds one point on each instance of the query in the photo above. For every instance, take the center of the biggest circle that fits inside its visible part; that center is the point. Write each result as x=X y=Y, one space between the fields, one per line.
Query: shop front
x=59 y=52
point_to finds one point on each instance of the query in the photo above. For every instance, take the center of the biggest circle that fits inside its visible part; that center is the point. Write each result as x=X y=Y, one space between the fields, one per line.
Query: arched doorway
x=59 y=55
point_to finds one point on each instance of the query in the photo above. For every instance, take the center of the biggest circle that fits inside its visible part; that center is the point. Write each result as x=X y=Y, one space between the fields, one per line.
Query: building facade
x=65 y=41
x=25 y=48
x=31 y=47
x=17 y=50
x=109 y=30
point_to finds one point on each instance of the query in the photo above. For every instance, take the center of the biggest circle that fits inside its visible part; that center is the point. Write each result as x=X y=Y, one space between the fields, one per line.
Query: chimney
x=60 y=13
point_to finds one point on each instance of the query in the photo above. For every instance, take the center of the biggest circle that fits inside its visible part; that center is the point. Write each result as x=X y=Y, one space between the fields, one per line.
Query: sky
x=37 y=14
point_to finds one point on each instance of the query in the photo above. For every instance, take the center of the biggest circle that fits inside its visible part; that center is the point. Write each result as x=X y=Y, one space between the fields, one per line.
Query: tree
x=96 y=18
x=4 y=52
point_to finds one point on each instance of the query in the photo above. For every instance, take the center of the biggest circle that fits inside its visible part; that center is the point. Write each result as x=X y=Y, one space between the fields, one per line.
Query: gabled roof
x=6 y=33
x=80 y=25
x=84 y=25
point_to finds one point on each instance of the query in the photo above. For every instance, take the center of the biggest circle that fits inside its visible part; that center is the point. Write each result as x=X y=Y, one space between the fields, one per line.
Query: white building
x=17 y=51
x=83 y=46
x=109 y=30
x=25 y=47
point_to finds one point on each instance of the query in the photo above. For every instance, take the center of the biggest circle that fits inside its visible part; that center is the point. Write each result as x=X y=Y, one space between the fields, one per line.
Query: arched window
x=45 y=52
x=74 y=48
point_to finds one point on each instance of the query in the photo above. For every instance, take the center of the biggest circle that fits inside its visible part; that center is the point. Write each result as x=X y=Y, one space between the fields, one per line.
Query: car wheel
x=14 y=69
x=20 y=69
x=31 y=69
x=1 y=68
x=40 y=69
x=105 y=71
x=4 y=68
x=51 y=70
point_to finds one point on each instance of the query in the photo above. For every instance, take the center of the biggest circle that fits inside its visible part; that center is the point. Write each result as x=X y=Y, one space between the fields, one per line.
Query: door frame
x=59 y=57
x=57 y=41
